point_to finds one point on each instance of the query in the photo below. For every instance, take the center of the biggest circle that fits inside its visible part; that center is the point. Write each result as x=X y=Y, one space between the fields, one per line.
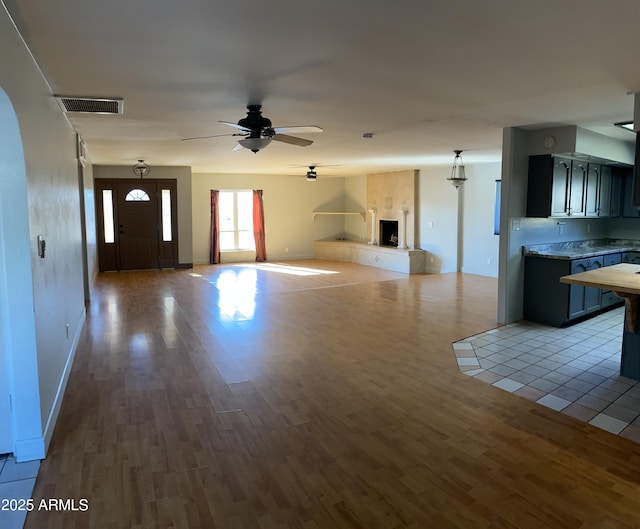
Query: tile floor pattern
x=574 y=370
x=16 y=483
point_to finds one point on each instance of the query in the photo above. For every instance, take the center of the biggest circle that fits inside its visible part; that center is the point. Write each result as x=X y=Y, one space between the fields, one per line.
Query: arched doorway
x=20 y=423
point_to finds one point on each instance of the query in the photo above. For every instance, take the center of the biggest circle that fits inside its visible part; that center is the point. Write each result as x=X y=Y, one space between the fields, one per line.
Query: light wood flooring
x=315 y=401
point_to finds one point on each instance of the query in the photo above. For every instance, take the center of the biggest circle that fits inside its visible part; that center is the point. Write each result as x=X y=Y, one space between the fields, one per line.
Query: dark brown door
x=137 y=224
x=137 y=221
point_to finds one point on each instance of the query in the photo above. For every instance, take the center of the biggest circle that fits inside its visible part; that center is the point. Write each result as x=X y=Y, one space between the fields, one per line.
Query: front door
x=137 y=208
x=137 y=224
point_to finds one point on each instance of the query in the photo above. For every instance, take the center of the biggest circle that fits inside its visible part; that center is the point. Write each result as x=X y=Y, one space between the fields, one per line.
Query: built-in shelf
x=316 y=213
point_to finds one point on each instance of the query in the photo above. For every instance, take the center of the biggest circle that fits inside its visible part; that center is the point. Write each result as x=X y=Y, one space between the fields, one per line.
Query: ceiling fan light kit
x=254 y=144
x=259 y=131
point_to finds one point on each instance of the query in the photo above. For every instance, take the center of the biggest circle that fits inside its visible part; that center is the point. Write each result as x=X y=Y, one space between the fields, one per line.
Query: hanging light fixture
x=457 y=177
x=254 y=144
x=141 y=169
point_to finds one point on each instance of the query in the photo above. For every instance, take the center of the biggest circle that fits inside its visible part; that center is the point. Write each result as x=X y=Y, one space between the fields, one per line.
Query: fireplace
x=388 y=233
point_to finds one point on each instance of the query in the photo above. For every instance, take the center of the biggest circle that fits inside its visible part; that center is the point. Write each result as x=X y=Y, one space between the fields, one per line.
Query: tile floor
x=16 y=483
x=574 y=370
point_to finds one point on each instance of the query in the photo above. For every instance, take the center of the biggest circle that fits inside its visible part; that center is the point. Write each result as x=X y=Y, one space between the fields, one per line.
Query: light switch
x=42 y=245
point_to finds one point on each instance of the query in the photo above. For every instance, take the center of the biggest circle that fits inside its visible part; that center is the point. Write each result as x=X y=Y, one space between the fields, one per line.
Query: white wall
x=56 y=300
x=355 y=190
x=480 y=245
x=438 y=219
x=288 y=205
x=183 y=176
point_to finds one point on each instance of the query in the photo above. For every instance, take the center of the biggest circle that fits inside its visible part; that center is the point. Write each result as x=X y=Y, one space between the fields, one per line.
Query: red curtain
x=214 y=250
x=258 y=226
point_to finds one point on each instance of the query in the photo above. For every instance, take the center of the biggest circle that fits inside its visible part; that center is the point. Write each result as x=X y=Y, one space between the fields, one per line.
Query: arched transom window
x=137 y=195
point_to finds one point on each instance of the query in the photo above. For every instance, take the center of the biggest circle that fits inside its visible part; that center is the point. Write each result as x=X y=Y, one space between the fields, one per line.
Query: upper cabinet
x=560 y=186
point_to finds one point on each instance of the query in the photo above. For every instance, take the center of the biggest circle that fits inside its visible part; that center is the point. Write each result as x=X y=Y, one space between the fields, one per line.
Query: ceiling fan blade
x=300 y=142
x=214 y=136
x=304 y=129
x=238 y=147
x=235 y=125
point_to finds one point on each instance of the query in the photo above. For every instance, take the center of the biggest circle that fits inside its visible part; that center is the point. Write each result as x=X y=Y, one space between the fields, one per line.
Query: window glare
x=227 y=240
x=246 y=240
x=107 y=214
x=235 y=212
x=166 y=215
x=245 y=210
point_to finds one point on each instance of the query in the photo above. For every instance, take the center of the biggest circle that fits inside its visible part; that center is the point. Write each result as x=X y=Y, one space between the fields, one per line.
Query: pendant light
x=457 y=177
x=141 y=169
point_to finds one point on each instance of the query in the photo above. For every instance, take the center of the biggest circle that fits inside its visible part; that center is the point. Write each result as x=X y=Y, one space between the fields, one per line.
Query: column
x=373 y=226
x=402 y=229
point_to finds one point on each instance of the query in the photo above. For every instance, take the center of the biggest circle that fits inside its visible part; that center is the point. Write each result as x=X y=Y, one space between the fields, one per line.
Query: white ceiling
x=426 y=77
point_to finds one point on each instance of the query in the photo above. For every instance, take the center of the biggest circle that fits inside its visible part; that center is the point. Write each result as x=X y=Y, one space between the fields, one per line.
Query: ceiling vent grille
x=90 y=105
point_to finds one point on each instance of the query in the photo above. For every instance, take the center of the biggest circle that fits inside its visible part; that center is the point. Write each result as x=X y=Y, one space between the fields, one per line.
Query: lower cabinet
x=548 y=301
x=583 y=300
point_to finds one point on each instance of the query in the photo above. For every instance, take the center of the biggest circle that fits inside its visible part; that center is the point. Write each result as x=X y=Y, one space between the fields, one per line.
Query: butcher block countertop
x=622 y=278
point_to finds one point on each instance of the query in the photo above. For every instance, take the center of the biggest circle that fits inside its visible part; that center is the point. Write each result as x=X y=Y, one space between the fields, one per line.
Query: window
x=166 y=215
x=107 y=215
x=236 y=220
x=137 y=195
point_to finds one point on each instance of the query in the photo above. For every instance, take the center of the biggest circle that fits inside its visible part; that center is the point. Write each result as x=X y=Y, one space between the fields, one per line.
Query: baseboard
x=62 y=386
x=184 y=266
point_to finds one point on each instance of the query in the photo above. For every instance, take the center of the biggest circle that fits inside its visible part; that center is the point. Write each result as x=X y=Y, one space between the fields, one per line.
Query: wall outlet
x=515 y=224
x=488 y=260
x=431 y=258
x=588 y=228
x=286 y=250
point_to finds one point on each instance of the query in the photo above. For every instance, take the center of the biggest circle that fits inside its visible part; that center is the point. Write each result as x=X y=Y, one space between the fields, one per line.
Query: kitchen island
x=624 y=280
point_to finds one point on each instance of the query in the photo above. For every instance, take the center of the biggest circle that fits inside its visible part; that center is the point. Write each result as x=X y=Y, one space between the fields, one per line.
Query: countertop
x=581 y=249
x=622 y=278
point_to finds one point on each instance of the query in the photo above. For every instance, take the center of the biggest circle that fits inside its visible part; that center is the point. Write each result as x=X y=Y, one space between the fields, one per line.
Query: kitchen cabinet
x=562 y=186
x=608 y=298
x=628 y=209
x=548 y=301
x=583 y=300
x=597 y=202
x=631 y=257
x=559 y=186
x=617 y=190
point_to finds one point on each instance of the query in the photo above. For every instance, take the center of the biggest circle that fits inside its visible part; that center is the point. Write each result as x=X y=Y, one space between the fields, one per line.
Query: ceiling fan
x=257 y=131
x=312 y=174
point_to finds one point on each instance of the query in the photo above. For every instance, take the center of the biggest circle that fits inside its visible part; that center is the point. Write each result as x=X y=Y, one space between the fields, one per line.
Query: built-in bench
x=397 y=259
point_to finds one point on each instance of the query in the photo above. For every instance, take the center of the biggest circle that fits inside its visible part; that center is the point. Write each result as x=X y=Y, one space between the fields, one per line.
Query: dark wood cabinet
x=628 y=209
x=548 y=301
x=617 y=190
x=559 y=186
x=583 y=300
x=608 y=298
x=598 y=191
x=631 y=257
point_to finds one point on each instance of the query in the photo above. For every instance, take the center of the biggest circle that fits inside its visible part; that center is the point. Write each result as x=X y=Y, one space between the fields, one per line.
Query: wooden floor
x=251 y=398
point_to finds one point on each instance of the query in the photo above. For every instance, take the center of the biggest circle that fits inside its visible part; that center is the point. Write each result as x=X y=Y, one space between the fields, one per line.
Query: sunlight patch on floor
x=287 y=269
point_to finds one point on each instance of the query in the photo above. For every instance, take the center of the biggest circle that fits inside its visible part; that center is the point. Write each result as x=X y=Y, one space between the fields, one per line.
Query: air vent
x=90 y=105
